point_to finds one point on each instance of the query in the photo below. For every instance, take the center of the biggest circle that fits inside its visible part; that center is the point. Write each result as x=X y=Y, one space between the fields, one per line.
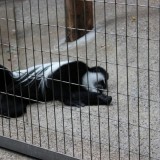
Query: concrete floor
x=5 y=154
x=105 y=130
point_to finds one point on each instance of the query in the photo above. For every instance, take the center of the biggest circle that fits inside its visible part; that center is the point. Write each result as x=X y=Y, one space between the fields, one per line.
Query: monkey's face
x=101 y=85
x=99 y=78
x=94 y=81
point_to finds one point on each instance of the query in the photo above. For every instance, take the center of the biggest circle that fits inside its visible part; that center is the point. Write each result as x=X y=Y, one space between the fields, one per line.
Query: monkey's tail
x=10 y=105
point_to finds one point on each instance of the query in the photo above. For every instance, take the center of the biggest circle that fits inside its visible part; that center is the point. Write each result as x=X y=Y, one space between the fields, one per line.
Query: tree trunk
x=79 y=18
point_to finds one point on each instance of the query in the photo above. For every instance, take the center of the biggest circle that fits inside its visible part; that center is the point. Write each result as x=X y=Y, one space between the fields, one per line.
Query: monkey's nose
x=100 y=88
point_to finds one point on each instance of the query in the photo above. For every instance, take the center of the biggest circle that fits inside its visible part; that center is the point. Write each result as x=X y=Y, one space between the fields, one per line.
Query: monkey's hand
x=104 y=99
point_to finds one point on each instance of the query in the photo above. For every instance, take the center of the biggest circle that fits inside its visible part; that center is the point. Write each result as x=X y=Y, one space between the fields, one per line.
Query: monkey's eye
x=101 y=83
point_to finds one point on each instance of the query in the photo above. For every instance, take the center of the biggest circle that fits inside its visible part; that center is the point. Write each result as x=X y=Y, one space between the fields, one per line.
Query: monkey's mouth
x=101 y=86
x=100 y=90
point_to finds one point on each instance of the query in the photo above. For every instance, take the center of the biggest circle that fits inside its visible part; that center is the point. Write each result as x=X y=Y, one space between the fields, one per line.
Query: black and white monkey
x=73 y=83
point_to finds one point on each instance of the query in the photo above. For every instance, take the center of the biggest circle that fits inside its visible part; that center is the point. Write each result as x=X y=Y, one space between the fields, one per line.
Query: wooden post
x=79 y=18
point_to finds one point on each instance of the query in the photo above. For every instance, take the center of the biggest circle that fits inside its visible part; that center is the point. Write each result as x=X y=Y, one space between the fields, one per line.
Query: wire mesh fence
x=124 y=41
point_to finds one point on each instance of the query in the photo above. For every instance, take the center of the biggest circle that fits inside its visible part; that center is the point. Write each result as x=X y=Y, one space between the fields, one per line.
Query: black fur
x=64 y=84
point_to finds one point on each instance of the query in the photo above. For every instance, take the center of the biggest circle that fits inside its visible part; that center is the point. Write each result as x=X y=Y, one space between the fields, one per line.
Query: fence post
x=79 y=18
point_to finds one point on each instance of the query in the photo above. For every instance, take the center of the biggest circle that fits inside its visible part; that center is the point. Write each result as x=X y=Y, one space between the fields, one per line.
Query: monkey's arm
x=87 y=98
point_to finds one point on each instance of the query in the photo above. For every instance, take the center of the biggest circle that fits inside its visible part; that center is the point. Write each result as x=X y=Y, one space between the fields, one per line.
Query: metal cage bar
x=125 y=41
x=30 y=150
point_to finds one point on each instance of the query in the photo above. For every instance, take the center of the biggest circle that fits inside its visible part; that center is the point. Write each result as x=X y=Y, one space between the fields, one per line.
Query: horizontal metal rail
x=31 y=150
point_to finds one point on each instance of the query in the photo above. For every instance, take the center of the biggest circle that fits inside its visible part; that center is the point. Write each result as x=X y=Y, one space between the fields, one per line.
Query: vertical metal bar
x=41 y=50
x=49 y=38
x=77 y=54
x=55 y=119
x=36 y=90
x=15 y=23
x=25 y=48
x=33 y=50
x=99 y=120
x=119 y=149
x=37 y=106
x=59 y=58
x=86 y=48
x=9 y=45
x=159 y=70
x=70 y=82
x=149 y=126
x=137 y=38
x=19 y=65
x=5 y=80
x=106 y=51
x=126 y=11
x=23 y=25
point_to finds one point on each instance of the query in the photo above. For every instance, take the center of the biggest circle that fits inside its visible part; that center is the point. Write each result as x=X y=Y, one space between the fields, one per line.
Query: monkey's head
x=95 y=79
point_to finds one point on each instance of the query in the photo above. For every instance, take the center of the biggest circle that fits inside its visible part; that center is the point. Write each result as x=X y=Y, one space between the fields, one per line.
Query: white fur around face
x=90 y=78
